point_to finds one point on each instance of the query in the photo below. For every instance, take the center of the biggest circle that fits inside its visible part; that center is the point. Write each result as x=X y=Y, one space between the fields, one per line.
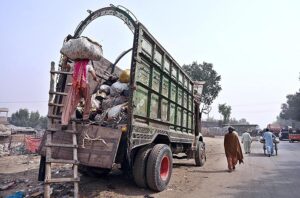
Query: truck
x=162 y=114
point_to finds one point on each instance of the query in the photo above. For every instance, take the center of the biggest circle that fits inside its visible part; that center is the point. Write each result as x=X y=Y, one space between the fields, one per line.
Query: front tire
x=200 y=156
x=159 y=167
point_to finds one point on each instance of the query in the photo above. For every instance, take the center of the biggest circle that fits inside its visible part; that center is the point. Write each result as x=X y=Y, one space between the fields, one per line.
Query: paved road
x=260 y=176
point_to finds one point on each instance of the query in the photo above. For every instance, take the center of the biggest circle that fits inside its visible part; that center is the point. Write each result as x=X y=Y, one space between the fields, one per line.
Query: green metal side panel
x=154 y=106
x=163 y=94
x=140 y=101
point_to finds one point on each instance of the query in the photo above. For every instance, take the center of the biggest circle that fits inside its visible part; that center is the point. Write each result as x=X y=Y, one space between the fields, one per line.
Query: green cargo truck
x=163 y=113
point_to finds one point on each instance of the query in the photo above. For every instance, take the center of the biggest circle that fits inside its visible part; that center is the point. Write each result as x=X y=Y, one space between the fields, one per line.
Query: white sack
x=82 y=48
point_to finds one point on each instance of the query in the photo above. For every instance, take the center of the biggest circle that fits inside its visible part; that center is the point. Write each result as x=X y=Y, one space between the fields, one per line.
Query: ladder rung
x=61 y=72
x=55 y=104
x=62 y=145
x=54 y=116
x=58 y=93
x=61 y=180
x=62 y=161
x=66 y=131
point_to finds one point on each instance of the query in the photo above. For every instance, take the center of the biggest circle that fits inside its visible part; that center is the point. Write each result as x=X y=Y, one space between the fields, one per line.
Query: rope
x=88 y=138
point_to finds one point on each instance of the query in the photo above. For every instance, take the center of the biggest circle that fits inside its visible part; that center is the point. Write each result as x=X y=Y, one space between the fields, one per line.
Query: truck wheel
x=200 y=155
x=159 y=167
x=139 y=167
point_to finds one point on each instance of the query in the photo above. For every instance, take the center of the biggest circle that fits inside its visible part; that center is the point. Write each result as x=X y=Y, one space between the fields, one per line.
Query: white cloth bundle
x=82 y=48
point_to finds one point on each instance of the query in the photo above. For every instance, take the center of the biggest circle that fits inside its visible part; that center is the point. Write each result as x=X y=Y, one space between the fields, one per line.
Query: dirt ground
x=21 y=173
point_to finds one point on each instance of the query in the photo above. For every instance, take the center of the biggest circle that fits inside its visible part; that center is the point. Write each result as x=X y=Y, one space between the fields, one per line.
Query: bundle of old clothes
x=109 y=102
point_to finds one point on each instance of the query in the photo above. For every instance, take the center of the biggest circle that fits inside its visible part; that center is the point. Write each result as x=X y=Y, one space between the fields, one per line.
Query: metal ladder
x=49 y=144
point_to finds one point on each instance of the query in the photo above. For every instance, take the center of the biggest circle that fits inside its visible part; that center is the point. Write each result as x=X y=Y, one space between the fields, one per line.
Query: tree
x=34 y=119
x=225 y=110
x=20 y=118
x=241 y=121
x=25 y=119
x=211 y=88
x=291 y=109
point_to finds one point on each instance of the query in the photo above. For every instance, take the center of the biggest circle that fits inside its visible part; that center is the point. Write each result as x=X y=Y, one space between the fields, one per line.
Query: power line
x=33 y=101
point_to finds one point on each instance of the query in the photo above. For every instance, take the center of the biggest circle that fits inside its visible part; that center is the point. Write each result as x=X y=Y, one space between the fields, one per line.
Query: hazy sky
x=254 y=45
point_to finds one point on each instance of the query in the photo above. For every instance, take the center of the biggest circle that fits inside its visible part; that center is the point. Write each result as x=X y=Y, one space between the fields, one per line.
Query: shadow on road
x=255 y=155
x=178 y=165
x=207 y=171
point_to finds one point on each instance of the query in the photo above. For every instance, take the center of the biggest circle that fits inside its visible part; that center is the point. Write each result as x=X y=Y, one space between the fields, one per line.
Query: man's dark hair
x=267 y=129
x=230 y=129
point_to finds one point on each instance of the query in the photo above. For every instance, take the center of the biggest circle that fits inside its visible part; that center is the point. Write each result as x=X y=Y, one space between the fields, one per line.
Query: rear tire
x=139 y=167
x=200 y=156
x=159 y=167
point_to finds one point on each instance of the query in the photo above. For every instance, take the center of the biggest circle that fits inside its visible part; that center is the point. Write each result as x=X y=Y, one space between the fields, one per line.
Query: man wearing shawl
x=79 y=89
x=233 y=149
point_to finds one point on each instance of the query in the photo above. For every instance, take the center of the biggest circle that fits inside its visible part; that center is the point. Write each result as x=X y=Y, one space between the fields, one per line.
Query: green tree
x=34 y=119
x=43 y=122
x=291 y=109
x=241 y=121
x=211 y=88
x=20 y=118
x=225 y=111
x=25 y=119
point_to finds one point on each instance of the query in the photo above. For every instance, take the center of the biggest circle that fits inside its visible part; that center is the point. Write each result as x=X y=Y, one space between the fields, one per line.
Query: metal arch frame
x=124 y=14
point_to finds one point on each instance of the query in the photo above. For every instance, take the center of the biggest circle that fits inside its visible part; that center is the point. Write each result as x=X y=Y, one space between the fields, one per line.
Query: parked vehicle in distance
x=284 y=133
x=294 y=135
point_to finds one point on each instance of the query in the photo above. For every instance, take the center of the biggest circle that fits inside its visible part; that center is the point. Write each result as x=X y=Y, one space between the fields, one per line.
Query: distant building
x=241 y=128
x=3 y=116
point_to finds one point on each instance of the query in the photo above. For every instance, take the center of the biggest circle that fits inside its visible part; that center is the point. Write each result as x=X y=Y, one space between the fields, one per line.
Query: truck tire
x=139 y=167
x=159 y=167
x=200 y=156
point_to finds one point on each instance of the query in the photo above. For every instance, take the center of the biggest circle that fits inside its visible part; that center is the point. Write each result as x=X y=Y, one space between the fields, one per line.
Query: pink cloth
x=79 y=74
x=32 y=144
x=80 y=89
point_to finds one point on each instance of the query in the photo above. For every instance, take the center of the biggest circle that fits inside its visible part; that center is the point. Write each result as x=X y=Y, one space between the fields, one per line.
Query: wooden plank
x=55 y=104
x=61 y=72
x=51 y=116
x=62 y=131
x=61 y=145
x=48 y=166
x=61 y=180
x=58 y=93
x=62 y=161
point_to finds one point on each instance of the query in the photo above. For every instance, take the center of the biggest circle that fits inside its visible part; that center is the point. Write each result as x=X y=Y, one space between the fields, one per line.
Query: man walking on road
x=247 y=140
x=268 y=136
x=233 y=149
